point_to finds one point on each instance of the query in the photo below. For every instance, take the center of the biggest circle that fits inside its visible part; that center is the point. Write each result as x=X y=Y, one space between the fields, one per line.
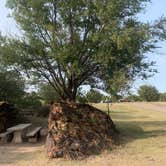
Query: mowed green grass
x=142 y=141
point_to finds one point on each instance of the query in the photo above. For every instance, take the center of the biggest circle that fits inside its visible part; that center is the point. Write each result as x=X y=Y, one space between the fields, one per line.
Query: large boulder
x=78 y=130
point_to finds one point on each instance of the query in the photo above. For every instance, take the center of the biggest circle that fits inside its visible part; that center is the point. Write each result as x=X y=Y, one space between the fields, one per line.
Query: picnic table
x=19 y=132
x=33 y=134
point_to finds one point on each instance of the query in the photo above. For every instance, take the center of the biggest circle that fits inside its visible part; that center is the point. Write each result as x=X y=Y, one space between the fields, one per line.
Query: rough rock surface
x=78 y=130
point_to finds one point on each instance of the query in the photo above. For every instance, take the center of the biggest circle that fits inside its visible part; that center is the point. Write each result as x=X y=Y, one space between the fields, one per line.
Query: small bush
x=43 y=111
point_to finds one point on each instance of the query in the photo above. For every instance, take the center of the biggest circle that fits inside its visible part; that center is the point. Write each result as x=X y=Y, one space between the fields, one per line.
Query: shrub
x=43 y=111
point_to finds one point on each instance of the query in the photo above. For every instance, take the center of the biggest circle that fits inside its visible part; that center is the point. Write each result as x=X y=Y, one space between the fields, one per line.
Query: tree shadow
x=130 y=131
x=119 y=116
x=11 y=153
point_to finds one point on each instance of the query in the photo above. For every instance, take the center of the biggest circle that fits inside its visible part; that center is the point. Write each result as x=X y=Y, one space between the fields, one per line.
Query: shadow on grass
x=10 y=154
x=133 y=130
x=126 y=116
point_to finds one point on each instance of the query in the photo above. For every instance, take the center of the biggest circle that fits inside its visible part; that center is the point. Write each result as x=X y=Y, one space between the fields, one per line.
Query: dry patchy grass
x=143 y=131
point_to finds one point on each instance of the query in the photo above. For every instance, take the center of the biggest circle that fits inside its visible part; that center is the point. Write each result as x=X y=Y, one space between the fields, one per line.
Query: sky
x=154 y=10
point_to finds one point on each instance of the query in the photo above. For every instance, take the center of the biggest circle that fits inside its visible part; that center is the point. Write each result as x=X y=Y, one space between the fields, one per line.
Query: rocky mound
x=78 y=130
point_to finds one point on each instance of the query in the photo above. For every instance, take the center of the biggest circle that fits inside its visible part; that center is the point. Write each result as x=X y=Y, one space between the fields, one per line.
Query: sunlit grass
x=143 y=141
x=144 y=131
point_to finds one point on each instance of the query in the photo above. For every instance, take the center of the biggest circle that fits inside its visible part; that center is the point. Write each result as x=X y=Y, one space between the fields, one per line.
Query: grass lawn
x=143 y=130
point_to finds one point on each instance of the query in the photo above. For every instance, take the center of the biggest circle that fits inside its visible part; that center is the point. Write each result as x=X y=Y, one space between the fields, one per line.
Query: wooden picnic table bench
x=19 y=132
x=5 y=137
x=33 y=134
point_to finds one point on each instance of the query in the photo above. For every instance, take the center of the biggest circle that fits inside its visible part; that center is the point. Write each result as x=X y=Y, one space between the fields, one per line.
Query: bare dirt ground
x=143 y=131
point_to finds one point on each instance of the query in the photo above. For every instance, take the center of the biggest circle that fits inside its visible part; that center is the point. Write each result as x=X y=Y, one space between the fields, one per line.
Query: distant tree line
x=13 y=90
x=146 y=93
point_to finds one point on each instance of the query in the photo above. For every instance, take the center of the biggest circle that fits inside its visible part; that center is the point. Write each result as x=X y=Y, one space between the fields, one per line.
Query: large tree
x=70 y=43
x=148 y=93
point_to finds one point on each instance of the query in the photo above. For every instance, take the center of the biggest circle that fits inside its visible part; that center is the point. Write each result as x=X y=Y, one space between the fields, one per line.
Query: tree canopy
x=94 y=96
x=163 y=96
x=148 y=93
x=47 y=93
x=30 y=100
x=11 y=86
x=71 y=43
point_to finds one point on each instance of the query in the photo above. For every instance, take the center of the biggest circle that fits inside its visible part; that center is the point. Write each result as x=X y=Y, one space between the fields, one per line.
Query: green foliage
x=30 y=100
x=117 y=85
x=81 y=97
x=162 y=96
x=48 y=94
x=132 y=98
x=11 y=87
x=148 y=93
x=12 y=90
x=72 y=43
x=94 y=96
x=42 y=111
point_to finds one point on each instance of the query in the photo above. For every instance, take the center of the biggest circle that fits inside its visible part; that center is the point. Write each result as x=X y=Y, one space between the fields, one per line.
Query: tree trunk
x=69 y=94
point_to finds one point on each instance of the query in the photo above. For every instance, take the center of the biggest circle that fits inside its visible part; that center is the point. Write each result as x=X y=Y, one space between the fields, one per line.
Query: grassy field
x=143 y=131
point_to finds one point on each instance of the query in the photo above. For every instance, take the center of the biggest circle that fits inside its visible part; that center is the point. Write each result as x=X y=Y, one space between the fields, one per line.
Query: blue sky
x=154 y=10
